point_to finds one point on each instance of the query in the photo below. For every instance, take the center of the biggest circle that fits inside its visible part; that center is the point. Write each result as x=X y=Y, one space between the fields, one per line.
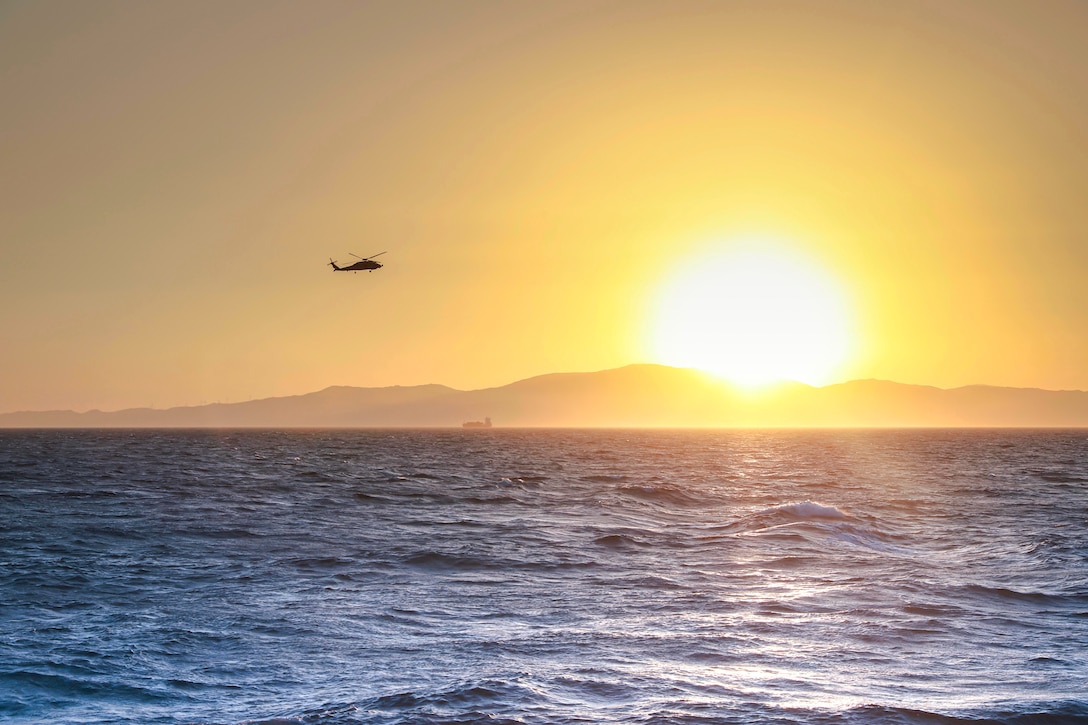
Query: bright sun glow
x=753 y=317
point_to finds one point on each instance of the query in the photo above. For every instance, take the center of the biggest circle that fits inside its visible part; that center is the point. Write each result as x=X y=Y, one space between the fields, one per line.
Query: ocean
x=544 y=576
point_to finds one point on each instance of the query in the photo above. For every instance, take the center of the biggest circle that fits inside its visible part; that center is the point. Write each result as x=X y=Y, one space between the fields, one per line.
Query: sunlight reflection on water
x=430 y=576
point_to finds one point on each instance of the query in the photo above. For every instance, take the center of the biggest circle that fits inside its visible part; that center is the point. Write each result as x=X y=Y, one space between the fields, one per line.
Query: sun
x=753 y=316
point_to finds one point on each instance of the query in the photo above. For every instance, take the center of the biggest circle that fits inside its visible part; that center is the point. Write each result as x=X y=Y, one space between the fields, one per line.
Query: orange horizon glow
x=558 y=186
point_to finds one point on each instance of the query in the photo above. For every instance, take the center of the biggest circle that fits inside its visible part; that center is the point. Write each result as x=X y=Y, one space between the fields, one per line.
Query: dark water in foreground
x=544 y=577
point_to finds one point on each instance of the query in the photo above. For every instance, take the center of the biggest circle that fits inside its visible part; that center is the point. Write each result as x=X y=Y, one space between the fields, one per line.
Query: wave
x=662 y=494
x=1051 y=475
x=494 y=701
x=790 y=513
x=526 y=481
x=1059 y=713
x=360 y=496
x=434 y=560
x=316 y=477
x=806 y=510
x=514 y=703
x=60 y=687
x=318 y=564
x=621 y=541
x=1048 y=599
x=818 y=524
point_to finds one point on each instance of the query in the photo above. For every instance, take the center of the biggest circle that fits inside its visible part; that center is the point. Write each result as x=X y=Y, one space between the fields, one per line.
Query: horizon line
x=748 y=391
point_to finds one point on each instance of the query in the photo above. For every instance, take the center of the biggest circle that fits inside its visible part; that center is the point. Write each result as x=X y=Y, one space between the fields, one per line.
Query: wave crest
x=805 y=510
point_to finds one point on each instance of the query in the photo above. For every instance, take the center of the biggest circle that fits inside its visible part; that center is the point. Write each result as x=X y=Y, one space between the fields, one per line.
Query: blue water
x=544 y=577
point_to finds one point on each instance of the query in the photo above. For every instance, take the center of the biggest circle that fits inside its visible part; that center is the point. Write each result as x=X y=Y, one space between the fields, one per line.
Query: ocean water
x=504 y=576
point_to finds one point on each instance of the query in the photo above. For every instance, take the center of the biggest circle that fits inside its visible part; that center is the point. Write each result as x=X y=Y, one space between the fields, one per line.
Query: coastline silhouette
x=632 y=396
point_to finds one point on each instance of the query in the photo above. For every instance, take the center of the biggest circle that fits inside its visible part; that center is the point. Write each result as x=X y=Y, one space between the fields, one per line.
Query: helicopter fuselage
x=358 y=266
x=366 y=264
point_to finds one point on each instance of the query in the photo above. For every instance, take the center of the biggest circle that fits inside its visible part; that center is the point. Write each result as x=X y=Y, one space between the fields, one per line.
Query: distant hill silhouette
x=632 y=396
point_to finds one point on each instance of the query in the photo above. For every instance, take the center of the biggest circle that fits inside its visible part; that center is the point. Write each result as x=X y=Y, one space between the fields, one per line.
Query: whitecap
x=807 y=510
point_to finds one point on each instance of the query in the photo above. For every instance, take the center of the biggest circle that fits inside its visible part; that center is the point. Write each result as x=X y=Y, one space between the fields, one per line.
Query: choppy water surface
x=544 y=577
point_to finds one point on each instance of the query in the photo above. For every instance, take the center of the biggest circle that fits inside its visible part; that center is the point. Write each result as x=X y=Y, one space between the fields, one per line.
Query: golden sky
x=545 y=177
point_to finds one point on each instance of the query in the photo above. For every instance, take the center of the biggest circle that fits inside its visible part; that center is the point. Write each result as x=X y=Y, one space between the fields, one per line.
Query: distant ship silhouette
x=477 y=424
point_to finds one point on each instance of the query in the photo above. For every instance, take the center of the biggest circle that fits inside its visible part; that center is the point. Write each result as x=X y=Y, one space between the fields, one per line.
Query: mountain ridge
x=640 y=395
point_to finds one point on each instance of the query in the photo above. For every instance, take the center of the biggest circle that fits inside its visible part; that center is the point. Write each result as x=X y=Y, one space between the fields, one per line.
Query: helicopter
x=366 y=263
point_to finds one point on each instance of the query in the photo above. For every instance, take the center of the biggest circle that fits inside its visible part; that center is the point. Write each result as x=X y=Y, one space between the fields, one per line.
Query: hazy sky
x=174 y=177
